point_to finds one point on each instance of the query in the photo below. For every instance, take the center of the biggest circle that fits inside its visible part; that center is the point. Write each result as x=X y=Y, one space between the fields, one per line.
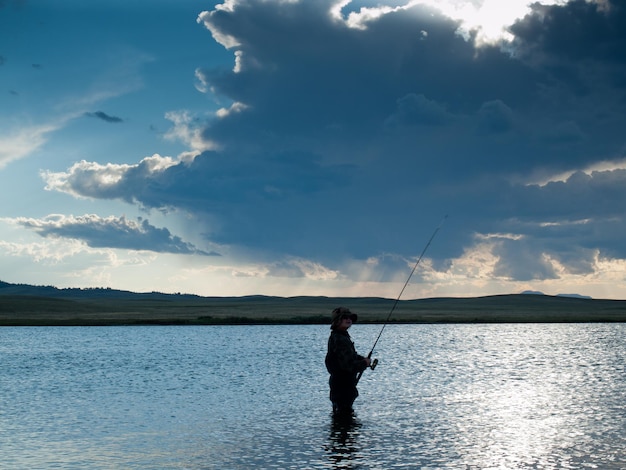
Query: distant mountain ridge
x=573 y=296
x=75 y=292
x=7 y=288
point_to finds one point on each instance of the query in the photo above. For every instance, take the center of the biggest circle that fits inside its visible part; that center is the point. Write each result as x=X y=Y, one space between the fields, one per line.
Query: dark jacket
x=342 y=358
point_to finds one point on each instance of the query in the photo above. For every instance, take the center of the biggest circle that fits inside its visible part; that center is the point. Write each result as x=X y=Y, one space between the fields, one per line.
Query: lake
x=498 y=396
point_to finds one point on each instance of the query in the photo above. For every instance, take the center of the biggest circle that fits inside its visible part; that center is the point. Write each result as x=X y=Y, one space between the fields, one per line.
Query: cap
x=341 y=312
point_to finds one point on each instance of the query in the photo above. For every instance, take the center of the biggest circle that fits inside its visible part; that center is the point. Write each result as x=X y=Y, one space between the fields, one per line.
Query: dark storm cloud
x=580 y=30
x=415 y=109
x=318 y=79
x=581 y=49
x=111 y=232
x=313 y=75
x=495 y=116
x=350 y=141
x=104 y=116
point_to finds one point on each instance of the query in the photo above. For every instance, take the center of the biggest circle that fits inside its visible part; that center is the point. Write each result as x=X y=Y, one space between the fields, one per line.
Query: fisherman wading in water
x=343 y=362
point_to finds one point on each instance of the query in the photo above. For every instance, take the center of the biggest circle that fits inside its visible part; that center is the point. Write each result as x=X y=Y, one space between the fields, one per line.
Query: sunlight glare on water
x=505 y=396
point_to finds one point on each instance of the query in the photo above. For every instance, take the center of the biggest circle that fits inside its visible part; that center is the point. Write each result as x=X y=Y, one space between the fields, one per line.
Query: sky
x=286 y=147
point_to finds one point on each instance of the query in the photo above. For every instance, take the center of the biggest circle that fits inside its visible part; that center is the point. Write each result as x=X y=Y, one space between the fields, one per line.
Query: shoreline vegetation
x=23 y=305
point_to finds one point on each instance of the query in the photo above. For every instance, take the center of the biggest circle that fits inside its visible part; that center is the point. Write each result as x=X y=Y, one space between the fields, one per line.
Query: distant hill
x=86 y=293
x=576 y=296
x=533 y=292
x=22 y=304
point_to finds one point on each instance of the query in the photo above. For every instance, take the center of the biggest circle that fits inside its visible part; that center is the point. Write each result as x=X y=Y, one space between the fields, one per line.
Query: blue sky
x=312 y=148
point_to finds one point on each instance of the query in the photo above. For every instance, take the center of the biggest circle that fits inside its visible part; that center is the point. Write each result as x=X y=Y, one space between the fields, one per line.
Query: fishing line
x=373 y=365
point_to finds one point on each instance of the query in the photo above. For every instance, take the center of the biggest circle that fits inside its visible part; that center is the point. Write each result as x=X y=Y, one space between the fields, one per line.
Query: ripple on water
x=442 y=397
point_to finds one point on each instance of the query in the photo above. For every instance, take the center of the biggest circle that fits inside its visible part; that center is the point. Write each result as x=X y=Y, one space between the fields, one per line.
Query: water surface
x=239 y=397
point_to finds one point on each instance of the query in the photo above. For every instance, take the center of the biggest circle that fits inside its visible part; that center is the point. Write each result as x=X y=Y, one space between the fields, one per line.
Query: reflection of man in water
x=343 y=448
x=343 y=362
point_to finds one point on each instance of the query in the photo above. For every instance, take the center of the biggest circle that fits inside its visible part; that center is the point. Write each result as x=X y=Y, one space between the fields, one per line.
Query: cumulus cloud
x=352 y=131
x=110 y=232
x=188 y=129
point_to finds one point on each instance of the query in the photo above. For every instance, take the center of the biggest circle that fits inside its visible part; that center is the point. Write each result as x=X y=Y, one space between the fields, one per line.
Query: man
x=343 y=362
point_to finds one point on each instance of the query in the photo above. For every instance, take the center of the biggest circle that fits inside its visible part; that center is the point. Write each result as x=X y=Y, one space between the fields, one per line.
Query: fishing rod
x=375 y=361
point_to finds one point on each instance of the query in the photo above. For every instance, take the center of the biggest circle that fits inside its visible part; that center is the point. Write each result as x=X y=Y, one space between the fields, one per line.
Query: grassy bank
x=27 y=310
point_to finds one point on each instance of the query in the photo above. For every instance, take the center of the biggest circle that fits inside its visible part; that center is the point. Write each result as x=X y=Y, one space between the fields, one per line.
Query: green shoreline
x=101 y=307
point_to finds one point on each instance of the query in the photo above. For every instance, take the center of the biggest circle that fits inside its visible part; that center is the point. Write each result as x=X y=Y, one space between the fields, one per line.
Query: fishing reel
x=372 y=366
